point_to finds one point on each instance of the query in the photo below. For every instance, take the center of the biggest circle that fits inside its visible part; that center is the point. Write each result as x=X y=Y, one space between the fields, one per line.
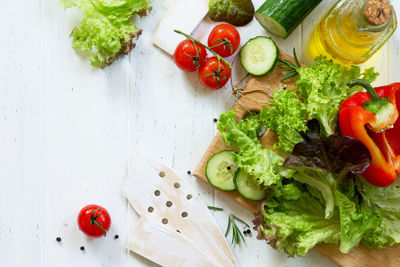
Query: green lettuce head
x=106 y=30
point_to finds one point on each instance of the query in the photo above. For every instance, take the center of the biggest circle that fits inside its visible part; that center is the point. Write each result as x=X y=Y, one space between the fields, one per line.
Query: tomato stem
x=93 y=219
x=223 y=42
x=217 y=75
x=205 y=46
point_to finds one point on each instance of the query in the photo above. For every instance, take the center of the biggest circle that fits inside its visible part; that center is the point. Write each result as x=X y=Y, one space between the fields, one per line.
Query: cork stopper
x=377 y=12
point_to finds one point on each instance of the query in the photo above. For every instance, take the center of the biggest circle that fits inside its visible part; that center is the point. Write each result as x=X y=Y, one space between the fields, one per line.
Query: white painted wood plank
x=21 y=134
x=85 y=148
x=170 y=111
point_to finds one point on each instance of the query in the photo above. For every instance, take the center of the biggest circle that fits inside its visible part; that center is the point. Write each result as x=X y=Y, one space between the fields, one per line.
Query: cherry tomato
x=214 y=73
x=225 y=39
x=189 y=55
x=94 y=220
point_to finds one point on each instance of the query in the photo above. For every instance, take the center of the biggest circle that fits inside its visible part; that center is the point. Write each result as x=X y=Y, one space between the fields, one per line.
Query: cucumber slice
x=259 y=55
x=248 y=187
x=220 y=170
x=281 y=17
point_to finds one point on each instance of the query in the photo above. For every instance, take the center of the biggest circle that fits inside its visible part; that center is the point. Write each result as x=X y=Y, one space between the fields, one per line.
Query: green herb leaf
x=236 y=233
x=215 y=208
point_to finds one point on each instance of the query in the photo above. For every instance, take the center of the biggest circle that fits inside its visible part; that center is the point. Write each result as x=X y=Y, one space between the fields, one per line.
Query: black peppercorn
x=58 y=239
x=244 y=232
x=189 y=172
x=116 y=236
x=228 y=168
x=248 y=231
x=215 y=120
x=82 y=248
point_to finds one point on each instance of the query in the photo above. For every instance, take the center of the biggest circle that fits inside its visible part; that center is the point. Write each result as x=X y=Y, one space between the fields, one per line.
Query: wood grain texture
x=362 y=256
x=359 y=256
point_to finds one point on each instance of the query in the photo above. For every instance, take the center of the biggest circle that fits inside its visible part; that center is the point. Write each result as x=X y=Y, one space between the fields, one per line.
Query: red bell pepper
x=372 y=118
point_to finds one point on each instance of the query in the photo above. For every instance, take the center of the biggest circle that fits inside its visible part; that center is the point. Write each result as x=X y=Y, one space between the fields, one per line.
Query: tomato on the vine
x=94 y=220
x=224 y=40
x=214 y=73
x=189 y=55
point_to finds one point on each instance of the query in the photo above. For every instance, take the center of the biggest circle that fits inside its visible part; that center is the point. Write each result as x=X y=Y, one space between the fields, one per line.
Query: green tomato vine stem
x=205 y=46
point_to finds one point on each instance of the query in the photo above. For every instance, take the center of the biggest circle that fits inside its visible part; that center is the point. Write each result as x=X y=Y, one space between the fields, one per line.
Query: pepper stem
x=376 y=103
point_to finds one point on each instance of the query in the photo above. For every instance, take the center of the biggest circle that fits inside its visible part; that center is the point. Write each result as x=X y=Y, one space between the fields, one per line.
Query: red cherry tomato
x=226 y=39
x=189 y=56
x=214 y=73
x=94 y=220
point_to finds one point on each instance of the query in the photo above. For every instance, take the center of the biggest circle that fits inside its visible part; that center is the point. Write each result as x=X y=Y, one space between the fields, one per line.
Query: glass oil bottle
x=353 y=30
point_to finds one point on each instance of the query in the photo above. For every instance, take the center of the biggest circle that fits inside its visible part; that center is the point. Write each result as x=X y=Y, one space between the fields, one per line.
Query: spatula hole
x=188 y=197
x=168 y=204
x=150 y=209
x=184 y=214
x=162 y=174
x=177 y=185
x=157 y=193
x=164 y=220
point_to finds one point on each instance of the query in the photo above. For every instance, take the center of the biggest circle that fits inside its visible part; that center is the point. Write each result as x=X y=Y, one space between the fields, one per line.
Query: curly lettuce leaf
x=387 y=201
x=322 y=87
x=325 y=163
x=235 y=12
x=263 y=164
x=106 y=30
x=292 y=220
x=286 y=116
x=357 y=220
x=319 y=161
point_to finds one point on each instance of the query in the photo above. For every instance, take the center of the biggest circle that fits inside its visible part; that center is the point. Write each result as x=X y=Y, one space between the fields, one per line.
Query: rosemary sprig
x=236 y=233
x=215 y=208
x=290 y=69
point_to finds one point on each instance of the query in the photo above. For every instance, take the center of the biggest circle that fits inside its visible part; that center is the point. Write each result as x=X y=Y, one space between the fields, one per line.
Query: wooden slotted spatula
x=171 y=205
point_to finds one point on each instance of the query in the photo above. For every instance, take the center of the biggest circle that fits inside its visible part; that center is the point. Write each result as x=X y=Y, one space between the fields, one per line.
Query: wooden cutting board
x=253 y=101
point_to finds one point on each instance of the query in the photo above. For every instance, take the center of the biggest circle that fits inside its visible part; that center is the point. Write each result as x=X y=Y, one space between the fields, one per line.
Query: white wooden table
x=67 y=133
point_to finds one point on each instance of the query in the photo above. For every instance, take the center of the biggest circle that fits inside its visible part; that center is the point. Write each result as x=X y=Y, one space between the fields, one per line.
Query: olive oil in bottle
x=353 y=30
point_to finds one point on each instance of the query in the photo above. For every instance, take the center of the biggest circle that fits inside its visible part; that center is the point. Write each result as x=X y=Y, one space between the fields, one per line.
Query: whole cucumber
x=281 y=17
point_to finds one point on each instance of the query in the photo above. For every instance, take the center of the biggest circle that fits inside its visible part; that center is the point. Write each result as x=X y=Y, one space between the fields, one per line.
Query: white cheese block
x=157 y=192
x=183 y=15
